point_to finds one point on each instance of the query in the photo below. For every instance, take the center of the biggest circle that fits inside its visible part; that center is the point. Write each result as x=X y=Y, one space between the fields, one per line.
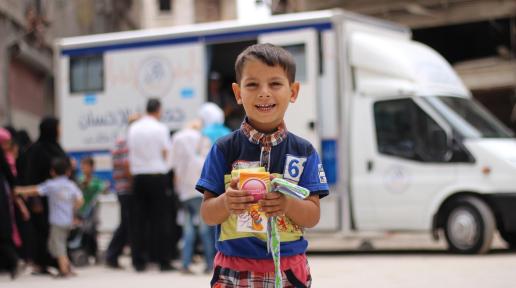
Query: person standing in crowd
x=122 y=178
x=9 y=146
x=149 y=143
x=91 y=188
x=212 y=123
x=63 y=198
x=39 y=157
x=220 y=94
x=15 y=153
x=8 y=256
x=189 y=149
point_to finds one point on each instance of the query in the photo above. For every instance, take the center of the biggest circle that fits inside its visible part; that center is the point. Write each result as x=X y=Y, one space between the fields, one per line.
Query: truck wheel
x=510 y=238
x=470 y=226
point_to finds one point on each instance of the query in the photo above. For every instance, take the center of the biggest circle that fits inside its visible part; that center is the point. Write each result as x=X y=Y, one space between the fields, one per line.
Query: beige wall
x=182 y=13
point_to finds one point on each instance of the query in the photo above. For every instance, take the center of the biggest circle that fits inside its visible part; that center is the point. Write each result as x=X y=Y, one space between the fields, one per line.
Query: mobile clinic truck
x=404 y=145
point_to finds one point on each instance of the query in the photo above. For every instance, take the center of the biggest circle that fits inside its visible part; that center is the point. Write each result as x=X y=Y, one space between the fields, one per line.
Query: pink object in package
x=255 y=183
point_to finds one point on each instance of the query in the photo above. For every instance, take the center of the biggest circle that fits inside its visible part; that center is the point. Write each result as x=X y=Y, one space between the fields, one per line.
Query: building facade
x=28 y=29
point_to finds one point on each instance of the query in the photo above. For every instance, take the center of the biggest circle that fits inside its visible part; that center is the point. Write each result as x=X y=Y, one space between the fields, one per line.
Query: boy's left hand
x=274 y=204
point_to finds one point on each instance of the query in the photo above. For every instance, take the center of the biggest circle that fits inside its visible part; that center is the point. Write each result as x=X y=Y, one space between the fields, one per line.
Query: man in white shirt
x=148 y=143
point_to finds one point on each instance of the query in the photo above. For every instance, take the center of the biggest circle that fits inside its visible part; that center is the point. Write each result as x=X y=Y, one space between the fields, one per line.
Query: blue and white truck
x=404 y=145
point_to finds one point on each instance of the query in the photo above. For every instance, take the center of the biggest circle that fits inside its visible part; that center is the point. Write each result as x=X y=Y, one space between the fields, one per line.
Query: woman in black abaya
x=39 y=157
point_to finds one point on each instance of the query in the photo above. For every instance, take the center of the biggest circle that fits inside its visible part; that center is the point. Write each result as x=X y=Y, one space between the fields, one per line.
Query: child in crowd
x=265 y=86
x=63 y=197
x=91 y=188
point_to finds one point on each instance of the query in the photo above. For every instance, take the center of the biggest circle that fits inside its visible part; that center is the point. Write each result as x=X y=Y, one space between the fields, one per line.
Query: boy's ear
x=236 y=91
x=294 y=91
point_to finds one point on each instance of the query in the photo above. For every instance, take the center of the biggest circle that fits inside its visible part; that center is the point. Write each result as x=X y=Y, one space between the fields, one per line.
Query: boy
x=63 y=196
x=91 y=188
x=265 y=85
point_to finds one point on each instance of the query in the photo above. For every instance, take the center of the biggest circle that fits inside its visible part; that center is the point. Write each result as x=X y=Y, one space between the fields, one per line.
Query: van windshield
x=469 y=118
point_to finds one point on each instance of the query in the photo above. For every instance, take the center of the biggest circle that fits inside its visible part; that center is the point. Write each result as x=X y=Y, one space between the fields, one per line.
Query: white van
x=404 y=145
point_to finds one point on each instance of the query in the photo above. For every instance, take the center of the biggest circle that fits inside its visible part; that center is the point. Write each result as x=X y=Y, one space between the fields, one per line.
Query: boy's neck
x=264 y=130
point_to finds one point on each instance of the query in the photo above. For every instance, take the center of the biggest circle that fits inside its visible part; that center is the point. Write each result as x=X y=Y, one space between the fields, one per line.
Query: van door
x=407 y=166
x=301 y=117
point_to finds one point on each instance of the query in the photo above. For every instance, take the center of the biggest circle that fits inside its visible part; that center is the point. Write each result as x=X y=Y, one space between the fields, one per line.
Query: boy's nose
x=264 y=93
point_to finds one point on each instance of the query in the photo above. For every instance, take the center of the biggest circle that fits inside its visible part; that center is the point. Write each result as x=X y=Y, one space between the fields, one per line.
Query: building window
x=86 y=74
x=165 y=5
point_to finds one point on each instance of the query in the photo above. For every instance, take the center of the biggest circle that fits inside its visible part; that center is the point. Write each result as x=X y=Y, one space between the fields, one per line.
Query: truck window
x=298 y=51
x=405 y=130
x=86 y=74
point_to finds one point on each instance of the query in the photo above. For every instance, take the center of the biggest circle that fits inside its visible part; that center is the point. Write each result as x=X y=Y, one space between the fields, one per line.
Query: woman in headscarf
x=8 y=257
x=39 y=157
x=15 y=143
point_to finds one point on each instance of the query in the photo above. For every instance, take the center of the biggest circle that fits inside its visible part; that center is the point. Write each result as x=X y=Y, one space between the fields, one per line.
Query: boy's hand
x=23 y=209
x=275 y=204
x=236 y=201
x=76 y=221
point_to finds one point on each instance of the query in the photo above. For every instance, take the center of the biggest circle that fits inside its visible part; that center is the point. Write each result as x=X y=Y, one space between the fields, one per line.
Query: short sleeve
x=313 y=177
x=166 y=145
x=75 y=191
x=45 y=188
x=165 y=138
x=175 y=151
x=212 y=175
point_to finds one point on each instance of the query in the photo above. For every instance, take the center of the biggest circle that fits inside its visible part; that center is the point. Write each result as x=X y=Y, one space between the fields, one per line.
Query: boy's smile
x=265 y=92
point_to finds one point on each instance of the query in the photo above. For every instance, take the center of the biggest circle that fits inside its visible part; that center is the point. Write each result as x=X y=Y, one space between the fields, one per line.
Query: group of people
x=41 y=200
x=203 y=156
x=142 y=161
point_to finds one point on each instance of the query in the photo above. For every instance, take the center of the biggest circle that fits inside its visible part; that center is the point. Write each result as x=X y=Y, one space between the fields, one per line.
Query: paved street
x=423 y=266
x=421 y=269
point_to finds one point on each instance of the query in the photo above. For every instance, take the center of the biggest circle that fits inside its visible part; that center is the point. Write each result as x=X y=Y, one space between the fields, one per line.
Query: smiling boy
x=265 y=85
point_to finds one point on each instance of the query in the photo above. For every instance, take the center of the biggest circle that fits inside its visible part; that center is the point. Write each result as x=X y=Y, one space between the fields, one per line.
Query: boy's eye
x=276 y=84
x=250 y=85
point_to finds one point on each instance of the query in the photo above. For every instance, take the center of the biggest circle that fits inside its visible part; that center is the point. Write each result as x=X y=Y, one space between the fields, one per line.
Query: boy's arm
x=26 y=190
x=77 y=195
x=213 y=209
x=79 y=201
x=216 y=209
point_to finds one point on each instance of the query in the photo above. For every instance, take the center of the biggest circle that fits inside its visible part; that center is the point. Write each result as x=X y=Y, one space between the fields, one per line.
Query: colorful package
x=256 y=184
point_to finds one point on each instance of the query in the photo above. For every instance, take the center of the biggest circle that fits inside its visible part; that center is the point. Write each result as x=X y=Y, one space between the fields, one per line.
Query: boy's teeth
x=265 y=106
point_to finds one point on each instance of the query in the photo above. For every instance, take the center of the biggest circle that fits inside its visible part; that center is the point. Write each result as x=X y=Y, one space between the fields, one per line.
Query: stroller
x=82 y=241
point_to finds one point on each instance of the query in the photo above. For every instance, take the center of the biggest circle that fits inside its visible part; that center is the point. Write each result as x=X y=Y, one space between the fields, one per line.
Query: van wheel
x=470 y=226
x=510 y=238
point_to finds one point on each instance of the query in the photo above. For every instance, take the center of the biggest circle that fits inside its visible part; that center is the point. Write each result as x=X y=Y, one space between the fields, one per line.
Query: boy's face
x=86 y=168
x=265 y=92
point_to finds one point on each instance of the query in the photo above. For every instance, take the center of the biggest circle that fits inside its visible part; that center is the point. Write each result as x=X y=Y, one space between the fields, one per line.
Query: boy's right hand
x=236 y=201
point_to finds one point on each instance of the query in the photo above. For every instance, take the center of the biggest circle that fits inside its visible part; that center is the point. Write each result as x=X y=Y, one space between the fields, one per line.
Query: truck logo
x=154 y=78
x=396 y=179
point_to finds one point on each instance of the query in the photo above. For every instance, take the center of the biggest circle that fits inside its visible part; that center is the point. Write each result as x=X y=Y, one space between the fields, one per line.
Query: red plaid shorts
x=226 y=278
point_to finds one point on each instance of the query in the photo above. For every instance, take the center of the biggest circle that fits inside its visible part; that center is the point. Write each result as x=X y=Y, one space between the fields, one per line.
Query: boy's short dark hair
x=269 y=54
x=60 y=166
x=88 y=160
x=153 y=105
